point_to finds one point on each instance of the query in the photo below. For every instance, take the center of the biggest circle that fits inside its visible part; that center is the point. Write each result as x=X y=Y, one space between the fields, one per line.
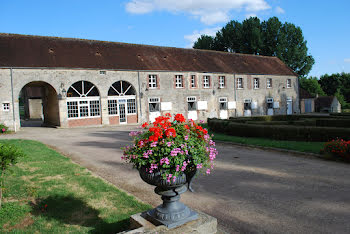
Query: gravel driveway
x=250 y=190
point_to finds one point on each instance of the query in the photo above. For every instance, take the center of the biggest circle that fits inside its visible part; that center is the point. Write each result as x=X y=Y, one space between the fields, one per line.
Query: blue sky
x=325 y=25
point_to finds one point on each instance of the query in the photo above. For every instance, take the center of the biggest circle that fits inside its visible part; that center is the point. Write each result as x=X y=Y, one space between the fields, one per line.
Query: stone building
x=86 y=82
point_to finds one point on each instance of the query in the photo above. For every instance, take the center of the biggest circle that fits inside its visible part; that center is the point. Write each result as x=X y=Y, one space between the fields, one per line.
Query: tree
x=269 y=38
x=204 y=42
x=330 y=83
x=311 y=85
x=8 y=156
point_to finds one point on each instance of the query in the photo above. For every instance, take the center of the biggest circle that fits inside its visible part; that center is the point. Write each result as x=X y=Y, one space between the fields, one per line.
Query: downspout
x=138 y=78
x=234 y=87
x=13 y=102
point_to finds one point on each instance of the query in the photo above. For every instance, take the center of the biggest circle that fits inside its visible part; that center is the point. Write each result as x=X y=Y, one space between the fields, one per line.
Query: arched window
x=121 y=100
x=83 y=100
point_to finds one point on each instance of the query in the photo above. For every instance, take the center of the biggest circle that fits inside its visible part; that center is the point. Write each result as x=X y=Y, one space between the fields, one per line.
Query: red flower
x=145 y=125
x=170 y=132
x=180 y=118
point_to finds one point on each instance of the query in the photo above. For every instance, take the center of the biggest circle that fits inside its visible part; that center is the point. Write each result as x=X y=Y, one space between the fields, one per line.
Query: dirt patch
x=48 y=178
x=27 y=221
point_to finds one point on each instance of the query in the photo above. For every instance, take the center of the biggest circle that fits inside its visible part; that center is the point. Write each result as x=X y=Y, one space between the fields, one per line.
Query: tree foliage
x=311 y=85
x=270 y=38
x=338 y=85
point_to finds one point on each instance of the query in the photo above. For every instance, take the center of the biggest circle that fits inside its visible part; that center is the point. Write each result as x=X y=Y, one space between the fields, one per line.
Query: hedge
x=279 y=132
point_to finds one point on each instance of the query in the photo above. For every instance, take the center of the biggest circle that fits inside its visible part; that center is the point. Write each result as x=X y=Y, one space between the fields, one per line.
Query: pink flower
x=3 y=130
x=154 y=144
x=186 y=137
x=164 y=160
x=208 y=171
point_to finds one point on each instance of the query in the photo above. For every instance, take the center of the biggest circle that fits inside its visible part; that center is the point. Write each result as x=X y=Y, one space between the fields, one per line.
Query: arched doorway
x=83 y=104
x=122 y=103
x=38 y=105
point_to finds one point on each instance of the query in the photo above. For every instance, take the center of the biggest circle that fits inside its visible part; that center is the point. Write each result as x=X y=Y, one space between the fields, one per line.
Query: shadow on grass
x=74 y=211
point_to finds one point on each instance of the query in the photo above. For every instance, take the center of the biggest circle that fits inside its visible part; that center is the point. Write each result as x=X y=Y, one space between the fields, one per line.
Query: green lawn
x=310 y=147
x=47 y=193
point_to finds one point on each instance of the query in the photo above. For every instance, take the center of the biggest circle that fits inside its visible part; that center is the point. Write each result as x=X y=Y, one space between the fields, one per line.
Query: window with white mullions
x=223 y=103
x=222 y=82
x=191 y=103
x=193 y=81
x=179 y=81
x=6 y=106
x=113 y=107
x=256 y=83
x=269 y=83
x=154 y=104
x=83 y=100
x=289 y=83
x=121 y=88
x=206 y=81
x=152 y=81
x=131 y=106
x=239 y=83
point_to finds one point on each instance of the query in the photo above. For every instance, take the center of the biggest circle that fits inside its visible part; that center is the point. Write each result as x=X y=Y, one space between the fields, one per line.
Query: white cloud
x=192 y=38
x=280 y=10
x=347 y=60
x=208 y=11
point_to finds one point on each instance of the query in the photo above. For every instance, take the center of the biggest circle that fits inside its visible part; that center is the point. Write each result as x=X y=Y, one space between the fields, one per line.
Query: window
x=239 y=83
x=131 y=106
x=121 y=88
x=83 y=100
x=222 y=82
x=179 y=81
x=113 y=107
x=102 y=72
x=193 y=81
x=256 y=83
x=247 y=104
x=6 y=106
x=152 y=81
x=206 y=81
x=289 y=83
x=269 y=83
x=154 y=104
x=192 y=103
x=223 y=103
x=269 y=102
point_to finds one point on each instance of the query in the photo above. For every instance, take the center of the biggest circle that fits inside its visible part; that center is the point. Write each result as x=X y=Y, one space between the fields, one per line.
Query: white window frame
x=193 y=81
x=289 y=83
x=6 y=106
x=154 y=100
x=126 y=98
x=269 y=100
x=206 y=82
x=256 y=83
x=88 y=104
x=223 y=100
x=179 y=81
x=192 y=99
x=222 y=82
x=268 y=83
x=152 y=81
x=239 y=83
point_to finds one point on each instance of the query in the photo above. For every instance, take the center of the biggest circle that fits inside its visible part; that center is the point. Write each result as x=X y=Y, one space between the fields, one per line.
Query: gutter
x=13 y=102
x=234 y=87
x=138 y=78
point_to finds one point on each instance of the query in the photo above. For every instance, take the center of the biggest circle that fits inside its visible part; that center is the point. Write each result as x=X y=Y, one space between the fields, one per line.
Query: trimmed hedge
x=279 y=132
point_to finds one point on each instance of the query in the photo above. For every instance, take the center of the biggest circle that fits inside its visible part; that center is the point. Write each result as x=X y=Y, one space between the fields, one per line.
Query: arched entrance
x=38 y=105
x=122 y=103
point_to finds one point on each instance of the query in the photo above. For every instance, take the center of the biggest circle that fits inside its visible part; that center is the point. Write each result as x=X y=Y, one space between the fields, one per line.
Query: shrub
x=9 y=155
x=3 y=128
x=338 y=148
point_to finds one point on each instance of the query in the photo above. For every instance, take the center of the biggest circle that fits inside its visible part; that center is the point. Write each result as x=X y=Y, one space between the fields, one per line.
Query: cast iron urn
x=172 y=213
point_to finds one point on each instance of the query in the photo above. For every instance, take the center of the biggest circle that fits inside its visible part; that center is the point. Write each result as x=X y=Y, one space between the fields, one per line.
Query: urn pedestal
x=172 y=213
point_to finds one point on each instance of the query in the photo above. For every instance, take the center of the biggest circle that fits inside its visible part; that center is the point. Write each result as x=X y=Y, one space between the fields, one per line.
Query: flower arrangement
x=171 y=147
x=338 y=148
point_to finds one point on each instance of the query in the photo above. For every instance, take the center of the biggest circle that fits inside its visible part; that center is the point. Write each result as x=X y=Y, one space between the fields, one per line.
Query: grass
x=309 y=147
x=47 y=193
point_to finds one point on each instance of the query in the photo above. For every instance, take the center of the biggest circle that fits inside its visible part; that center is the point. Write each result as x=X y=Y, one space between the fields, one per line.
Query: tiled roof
x=38 y=51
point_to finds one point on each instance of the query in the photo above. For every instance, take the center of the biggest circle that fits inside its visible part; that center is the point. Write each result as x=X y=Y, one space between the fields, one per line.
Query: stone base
x=204 y=224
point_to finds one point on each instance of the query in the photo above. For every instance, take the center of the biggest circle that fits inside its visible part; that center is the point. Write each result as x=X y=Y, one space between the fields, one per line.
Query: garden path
x=250 y=191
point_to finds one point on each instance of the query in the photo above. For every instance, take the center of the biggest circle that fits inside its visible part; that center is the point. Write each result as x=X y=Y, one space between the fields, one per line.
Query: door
x=307 y=106
x=122 y=111
x=154 y=108
x=223 y=114
x=192 y=115
x=289 y=107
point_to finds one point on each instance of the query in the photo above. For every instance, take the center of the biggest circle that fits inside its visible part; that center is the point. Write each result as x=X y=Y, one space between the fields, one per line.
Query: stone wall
x=60 y=79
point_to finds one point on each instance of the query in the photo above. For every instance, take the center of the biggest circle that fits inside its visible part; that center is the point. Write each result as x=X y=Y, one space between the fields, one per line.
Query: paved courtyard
x=250 y=190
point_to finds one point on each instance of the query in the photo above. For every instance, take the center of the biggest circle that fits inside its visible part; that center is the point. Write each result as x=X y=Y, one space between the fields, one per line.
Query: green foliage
x=9 y=155
x=270 y=38
x=3 y=128
x=311 y=85
x=338 y=148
